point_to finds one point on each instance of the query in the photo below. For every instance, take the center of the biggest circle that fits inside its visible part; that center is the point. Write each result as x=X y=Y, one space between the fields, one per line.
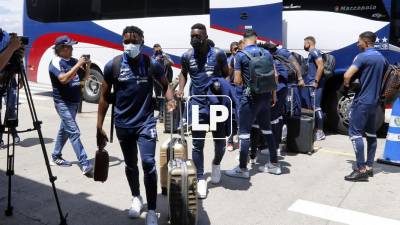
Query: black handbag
x=101 y=164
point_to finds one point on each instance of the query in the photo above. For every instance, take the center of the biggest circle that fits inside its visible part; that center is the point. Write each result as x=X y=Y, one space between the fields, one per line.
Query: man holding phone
x=66 y=73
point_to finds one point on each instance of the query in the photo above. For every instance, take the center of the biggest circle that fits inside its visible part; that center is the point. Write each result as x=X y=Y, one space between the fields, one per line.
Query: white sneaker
x=284 y=132
x=202 y=189
x=278 y=152
x=273 y=168
x=151 y=218
x=265 y=151
x=238 y=173
x=136 y=207
x=216 y=174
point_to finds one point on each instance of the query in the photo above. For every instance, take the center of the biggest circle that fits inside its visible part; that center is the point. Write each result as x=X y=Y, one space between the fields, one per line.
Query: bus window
x=179 y=7
x=81 y=10
x=395 y=24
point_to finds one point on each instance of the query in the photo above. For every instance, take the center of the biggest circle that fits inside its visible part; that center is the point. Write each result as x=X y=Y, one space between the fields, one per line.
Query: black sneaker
x=356 y=176
x=370 y=172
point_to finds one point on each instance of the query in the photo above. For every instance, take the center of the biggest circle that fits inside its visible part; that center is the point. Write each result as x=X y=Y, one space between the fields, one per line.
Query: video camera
x=24 y=40
x=14 y=64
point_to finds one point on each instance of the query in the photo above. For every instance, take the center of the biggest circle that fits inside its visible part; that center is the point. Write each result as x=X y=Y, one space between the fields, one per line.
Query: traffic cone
x=391 y=154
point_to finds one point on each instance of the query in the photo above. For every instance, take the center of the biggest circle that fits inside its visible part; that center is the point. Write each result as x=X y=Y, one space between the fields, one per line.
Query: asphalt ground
x=311 y=191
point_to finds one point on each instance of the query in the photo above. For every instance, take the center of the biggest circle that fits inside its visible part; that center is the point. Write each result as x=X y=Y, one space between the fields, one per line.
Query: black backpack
x=302 y=62
x=262 y=73
x=329 y=64
x=290 y=68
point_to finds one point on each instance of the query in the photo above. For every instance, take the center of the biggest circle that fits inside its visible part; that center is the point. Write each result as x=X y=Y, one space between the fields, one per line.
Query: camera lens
x=24 y=40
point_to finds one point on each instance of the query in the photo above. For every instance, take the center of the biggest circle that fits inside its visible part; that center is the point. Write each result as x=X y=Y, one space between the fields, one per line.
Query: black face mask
x=196 y=42
x=307 y=48
x=158 y=53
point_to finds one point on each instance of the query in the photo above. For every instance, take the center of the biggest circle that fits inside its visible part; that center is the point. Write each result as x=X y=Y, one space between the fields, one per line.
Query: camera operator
x=10 y=44
x=66 y=73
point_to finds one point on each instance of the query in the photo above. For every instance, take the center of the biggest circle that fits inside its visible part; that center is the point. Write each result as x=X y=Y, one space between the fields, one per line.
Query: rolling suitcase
x=182 y=185
x=300 y=129
x=101 y=164
x=178 y=145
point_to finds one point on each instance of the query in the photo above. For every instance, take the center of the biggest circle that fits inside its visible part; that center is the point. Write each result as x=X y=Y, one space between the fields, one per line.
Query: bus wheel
x=91 y=92
x=339 y=110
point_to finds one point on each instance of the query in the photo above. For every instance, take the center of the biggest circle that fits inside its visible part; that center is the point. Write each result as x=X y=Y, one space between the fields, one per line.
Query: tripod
x=11 y=123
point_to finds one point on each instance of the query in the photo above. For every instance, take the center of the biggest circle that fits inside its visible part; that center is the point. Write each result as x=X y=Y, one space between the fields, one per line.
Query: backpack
x=262 y=73
x=329 y=64
x=391 y=82
x=116 y=68
x=290 y=68
x=302 y=62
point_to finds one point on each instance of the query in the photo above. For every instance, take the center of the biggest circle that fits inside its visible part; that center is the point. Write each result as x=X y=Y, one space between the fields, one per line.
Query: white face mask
x=132 y=50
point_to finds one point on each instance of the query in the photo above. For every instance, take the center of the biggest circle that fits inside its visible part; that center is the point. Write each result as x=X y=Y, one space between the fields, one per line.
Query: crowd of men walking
x=259 y=118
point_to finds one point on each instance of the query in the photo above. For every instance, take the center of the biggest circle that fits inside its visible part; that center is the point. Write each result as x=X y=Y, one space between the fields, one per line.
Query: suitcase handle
x=171 y=153
x=181 y=118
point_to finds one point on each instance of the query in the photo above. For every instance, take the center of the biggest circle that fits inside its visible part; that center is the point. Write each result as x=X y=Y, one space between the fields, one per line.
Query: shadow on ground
x=34 y=204
x=29 y=142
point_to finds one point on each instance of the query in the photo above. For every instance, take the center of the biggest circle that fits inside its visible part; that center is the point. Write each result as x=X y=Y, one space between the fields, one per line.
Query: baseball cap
x=65 y=40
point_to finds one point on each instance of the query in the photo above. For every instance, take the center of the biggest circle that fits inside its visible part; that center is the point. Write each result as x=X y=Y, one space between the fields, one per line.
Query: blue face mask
x=132 y=50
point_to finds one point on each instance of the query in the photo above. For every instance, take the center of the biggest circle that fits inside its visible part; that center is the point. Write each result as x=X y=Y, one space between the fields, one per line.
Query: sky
x=11 y=16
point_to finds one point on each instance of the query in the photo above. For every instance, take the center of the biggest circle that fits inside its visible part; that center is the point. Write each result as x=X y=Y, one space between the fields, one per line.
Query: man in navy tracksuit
x=369 y=66
x=134 y=116
x=283 y=52
x=315 y=77
x=253 y=107
x=238 y=89
x=203 y=62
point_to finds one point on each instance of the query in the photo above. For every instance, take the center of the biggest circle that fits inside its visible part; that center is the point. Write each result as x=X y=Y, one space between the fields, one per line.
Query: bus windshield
x=86 y=10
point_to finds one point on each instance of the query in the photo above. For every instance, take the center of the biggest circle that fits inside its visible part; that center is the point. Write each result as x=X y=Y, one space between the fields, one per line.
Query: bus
x=97 y=25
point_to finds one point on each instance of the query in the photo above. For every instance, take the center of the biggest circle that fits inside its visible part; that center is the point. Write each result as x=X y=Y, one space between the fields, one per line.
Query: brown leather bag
x=101 y=163
x=391 y=82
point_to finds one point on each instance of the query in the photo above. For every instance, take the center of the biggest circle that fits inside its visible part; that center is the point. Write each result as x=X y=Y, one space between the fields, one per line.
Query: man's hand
x=345 y=90
x=179 y=93
x=88 y=64
x=83 y=60
x=301 y=83
x=315 y=84
x=102 y=138
x=274 y=99
x=171 y=105
x=14 y=43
